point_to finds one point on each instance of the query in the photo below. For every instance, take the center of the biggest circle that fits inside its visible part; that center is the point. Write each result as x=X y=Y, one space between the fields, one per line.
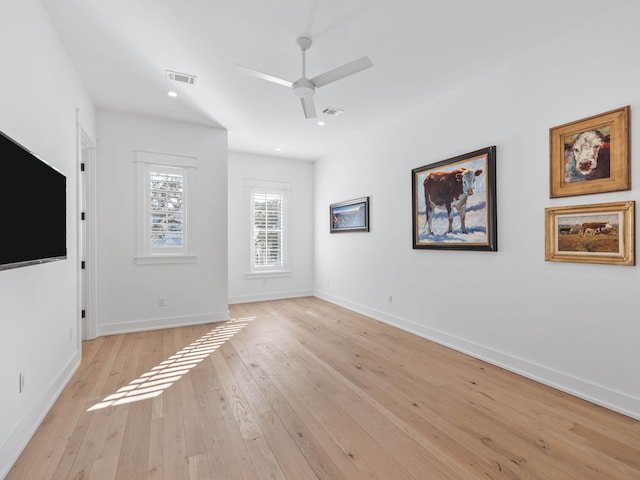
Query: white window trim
x=268 y=274
x=281 y=188
x=145 y=162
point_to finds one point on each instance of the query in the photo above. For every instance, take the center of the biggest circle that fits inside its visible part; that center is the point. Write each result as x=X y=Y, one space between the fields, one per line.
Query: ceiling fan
x=304 y=88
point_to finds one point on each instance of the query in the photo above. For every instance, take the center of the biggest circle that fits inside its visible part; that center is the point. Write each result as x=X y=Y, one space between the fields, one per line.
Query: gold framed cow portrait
x=590 y=155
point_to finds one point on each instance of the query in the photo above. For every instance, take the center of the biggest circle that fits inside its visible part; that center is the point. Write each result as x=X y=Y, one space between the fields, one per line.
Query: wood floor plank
x=290 y=459
x=155 y=464
x=302 y=389
x=258 y=454
x=336 y=459
x=174 y=448
x=309 y=435
x=222 y=460
x=104 y=468
x=134 y=452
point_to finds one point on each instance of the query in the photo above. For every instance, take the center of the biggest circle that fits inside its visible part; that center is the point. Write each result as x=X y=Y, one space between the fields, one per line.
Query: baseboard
x=19 y=438
x=264 y=297
x=594 y=393
x=159 y=323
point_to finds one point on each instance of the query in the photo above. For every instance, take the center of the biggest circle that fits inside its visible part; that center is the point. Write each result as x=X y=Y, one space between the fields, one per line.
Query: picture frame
x=349 y=216
x=590 y=155
x=601 y=233
x=439 y=224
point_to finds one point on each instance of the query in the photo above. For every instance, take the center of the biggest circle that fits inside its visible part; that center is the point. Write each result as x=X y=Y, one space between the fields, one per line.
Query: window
x=166 y=208
x=164 y=223
x=268 y=231
x=268 y=227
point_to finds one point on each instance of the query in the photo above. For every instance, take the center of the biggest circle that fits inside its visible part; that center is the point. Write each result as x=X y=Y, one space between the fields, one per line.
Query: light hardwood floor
x=302 y=389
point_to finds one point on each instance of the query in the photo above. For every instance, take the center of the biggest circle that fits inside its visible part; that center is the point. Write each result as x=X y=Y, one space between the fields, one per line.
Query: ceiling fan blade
x=308 y=107
x=263 y=76
x=344 y=71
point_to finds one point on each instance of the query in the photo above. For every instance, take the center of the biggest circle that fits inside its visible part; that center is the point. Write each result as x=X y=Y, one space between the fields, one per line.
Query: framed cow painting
x=598 y=233
x=590 y=155
x=454 y=203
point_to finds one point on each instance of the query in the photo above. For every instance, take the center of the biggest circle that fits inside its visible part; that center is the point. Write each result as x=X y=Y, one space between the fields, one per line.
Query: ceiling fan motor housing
x=303 y=88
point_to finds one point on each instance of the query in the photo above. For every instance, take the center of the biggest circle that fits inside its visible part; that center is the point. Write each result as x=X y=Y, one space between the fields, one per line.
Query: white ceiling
x=121 y=49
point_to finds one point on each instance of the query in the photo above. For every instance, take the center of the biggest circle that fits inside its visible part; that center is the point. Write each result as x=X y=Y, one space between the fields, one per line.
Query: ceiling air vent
x=333 y=111
x=181 y=77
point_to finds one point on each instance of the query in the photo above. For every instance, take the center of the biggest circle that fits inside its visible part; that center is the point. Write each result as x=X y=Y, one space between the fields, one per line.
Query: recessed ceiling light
x=278 y=149
x=172 y=94
x=321 y=123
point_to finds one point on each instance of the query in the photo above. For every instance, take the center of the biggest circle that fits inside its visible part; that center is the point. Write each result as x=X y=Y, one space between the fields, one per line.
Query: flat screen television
x=34 y=208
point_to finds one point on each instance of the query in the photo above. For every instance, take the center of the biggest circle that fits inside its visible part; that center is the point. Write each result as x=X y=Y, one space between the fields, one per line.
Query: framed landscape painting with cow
x=454 y=203
x=590 y=155
x=600 y=233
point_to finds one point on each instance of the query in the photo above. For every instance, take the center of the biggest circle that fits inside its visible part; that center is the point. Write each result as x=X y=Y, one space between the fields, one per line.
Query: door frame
x=86 y=156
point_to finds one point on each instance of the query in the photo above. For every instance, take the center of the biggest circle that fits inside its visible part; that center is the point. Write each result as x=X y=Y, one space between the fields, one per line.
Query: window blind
x=166 y=210
x=268 y=230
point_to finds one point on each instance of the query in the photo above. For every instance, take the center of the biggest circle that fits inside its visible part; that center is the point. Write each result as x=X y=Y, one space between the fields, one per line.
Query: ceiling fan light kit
x=304 y=88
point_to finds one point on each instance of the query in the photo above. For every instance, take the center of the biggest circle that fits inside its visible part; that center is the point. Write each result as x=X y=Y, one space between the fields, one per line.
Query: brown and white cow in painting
x=594 y=228
x=449 y=190
x=587 y=157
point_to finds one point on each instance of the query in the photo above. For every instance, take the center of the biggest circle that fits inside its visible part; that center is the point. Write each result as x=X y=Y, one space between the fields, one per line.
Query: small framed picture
x=349 y=216
x=598 y=233
x=590 y=155
x=454 y=203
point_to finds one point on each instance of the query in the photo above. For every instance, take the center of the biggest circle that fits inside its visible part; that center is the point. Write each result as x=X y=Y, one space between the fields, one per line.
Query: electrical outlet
x=390 y=299
x=161 y=302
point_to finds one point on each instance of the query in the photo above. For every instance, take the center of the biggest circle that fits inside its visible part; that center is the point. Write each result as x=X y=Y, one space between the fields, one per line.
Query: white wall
x=299 y=176
x=39 y=304
x=574 y=326
x=127 y=292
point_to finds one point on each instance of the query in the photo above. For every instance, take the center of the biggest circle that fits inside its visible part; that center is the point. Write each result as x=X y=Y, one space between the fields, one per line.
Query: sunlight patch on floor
x=166 y=373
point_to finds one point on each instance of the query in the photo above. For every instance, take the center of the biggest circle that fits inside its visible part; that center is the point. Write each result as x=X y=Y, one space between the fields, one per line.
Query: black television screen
x=34 y=207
